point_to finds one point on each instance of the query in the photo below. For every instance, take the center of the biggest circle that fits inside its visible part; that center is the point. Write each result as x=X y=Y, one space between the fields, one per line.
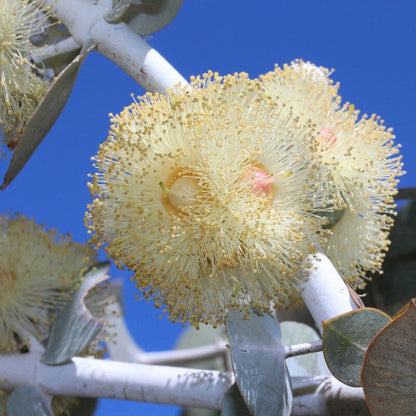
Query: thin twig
x=50 y=51
x=300 y=349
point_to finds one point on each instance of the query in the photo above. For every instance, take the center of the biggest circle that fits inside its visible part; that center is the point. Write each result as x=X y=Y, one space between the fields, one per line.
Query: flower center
x=261 y=181
x=327 y=137
x=180 y=191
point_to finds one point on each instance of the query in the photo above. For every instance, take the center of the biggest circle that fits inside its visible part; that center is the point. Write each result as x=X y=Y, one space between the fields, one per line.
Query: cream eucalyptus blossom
x=22 y=84
x=207 y=198
x=358 y=162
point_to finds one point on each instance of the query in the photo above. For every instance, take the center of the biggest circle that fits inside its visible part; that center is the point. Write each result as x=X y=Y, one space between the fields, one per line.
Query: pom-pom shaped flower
x=357 y=158
x=21 y=81
x=206 y=198
x=38 y=272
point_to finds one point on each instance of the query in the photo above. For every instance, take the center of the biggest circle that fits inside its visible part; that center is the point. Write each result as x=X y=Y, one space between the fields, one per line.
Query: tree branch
x=64 y=46
x=85 y=21
x=327 y=397
x=325 y=293
x=89 y=377
x=123 y=347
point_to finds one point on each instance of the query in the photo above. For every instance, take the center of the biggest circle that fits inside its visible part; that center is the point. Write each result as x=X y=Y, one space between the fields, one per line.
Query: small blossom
x=38 y=272
x=359 y=166
x=206 y=199
x=21 y=82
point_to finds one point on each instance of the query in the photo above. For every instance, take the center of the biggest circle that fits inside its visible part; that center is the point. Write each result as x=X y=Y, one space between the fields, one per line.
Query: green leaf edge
x=27 y=145
x=253 y=311
x=325 y=326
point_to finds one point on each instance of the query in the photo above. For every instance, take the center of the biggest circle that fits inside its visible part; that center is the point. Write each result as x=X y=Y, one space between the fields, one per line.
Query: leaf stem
x=301 y=349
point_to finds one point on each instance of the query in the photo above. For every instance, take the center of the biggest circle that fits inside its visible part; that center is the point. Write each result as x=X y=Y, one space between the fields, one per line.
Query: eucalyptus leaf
x=233 y=404
x=28 y=401
x=149 y=16
x=75 y=327
x=118 y=11
x=205 y=335
x=258 y=359
x=389 y=370
x=346 y=339
x=307 y=365
x=44 y=117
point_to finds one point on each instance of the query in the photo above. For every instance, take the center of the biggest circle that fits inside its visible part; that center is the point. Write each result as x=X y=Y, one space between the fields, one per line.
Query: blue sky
x=370 y=44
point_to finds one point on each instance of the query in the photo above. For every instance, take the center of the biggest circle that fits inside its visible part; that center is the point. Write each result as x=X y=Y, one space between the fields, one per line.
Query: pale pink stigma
x=262 y=182
x=327 y=136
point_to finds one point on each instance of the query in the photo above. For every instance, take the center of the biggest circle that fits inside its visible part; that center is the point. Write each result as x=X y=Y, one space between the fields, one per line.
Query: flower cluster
x=215 y=194
x=39 y=270
x=22 y=84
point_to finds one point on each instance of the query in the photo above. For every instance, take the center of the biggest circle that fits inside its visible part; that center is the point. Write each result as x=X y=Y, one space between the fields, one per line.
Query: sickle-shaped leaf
x=74 y=327
x=346 y=339
x=44 y=116
x=259 y=366
x=389 y=370
x=27 y=401
x=149 y=16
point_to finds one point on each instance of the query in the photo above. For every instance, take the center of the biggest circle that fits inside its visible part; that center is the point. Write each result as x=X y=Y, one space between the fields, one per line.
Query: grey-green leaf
x=74 y=327
x=346 y=339
x=118 y=11
x=308 y=365
x=44 y=117
x=258 y=359
x=149 y=16
x=27 y=401
x=233 y=404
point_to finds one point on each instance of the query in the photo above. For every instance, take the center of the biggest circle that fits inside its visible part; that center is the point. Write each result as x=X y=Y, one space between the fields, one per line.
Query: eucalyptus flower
x=207 y=199
x=357 y=158
x=22 y=84
x=39 y=270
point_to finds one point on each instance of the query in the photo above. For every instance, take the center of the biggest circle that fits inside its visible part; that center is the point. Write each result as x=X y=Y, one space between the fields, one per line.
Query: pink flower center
x=327 y=137
x=261 y=181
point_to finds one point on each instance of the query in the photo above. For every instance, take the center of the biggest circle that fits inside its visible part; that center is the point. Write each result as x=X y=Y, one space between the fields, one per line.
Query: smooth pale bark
x=89 y=377
x=85 y=21
x=324 y=292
